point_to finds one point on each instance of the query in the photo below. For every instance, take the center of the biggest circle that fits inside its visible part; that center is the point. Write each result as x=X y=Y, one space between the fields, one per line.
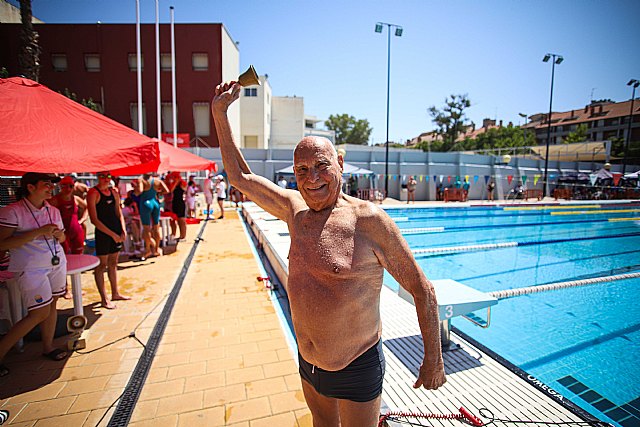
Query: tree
x=450 y=120
x=579 y=135
x=89 y=103
x=29 y=55
x=349 y=130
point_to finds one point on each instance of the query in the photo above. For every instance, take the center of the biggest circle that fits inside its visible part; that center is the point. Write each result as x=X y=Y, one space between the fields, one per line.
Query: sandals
x=56 y=355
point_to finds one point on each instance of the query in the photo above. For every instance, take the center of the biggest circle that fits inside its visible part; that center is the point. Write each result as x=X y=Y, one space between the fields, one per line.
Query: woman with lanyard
x=32 y=230
x=103 y=203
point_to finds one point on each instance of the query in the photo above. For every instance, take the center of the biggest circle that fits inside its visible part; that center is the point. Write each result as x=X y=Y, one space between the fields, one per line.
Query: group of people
x=41 y=228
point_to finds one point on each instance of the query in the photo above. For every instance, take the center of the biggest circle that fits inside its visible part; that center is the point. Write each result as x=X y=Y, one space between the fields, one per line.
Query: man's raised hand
x=225 y=95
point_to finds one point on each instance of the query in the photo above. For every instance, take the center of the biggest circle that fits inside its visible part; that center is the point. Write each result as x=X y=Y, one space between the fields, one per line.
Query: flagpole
x=158 y=98
x=139 y=69
x=173 y=81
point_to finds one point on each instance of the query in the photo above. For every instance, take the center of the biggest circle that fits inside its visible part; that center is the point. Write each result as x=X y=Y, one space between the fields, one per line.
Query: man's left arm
x=396 y=257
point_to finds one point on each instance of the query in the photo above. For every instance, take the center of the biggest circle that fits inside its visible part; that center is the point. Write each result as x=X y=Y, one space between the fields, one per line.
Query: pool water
x=584 y=342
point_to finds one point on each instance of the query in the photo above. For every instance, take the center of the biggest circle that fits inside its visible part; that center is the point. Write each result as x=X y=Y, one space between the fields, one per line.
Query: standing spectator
x=208 y=192
x=148 y=188
x=67 y=203
x=292 y=185
x=179 y=207
x=104 y=210
x=282 y=182
x=490 y=187
x=190 y=198
x=32 y=230
x=221 y=192
x=411 y=189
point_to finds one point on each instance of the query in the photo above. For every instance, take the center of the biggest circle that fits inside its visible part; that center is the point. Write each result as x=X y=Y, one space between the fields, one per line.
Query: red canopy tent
x=44 y=131
x=171 y=159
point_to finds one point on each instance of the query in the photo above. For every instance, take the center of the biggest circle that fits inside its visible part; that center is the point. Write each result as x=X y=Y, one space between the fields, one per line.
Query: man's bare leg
x=324 y=410
x=359 y=414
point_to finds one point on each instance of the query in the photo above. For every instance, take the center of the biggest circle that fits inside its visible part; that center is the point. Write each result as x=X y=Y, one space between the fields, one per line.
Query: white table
x=76 y=264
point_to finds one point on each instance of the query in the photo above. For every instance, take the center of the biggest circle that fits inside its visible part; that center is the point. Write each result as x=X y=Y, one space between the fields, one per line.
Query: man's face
x=318 y=171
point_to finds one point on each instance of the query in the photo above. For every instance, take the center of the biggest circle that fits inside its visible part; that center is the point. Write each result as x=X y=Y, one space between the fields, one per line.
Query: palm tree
x=29 y=56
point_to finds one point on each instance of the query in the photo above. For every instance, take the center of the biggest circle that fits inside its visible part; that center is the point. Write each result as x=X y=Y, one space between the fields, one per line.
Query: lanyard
x=55 y=260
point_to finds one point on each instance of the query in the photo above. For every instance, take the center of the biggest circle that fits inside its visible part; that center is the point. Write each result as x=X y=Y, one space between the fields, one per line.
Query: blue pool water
x=583 y=342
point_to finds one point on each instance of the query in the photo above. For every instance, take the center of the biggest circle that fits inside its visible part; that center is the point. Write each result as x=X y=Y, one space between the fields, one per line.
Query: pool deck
x=224 y=357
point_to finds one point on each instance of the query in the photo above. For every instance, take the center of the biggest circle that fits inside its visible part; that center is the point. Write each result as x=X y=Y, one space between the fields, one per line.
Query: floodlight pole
x=555 y=59
x=386 y=151
x=634 y=84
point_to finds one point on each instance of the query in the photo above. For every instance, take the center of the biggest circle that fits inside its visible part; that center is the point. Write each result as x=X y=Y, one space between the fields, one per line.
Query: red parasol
x=171 y=159
x=44 y=131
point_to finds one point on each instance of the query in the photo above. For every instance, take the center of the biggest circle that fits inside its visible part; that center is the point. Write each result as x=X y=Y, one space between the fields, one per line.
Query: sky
x=328 y=52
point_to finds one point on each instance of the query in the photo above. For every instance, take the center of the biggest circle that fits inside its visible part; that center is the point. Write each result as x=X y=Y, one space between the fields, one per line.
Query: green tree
x=450 y=121
x=89 y=103
x=29 y=54
x=348 y=129
x=579 y=135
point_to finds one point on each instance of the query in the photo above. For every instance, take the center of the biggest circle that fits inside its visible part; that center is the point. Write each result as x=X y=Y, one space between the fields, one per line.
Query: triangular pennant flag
x=616 y=178
x=509 y=179
x=395 y=177
x=457 y=178
x=426 y=178
x=466 y=178
x=552 y=176
x=421 y=178
x=524 y=179
x=449 y=178
x=475 y=179
x=486 y=179
x=535 y=179
x=435 y=178
x=592 y=178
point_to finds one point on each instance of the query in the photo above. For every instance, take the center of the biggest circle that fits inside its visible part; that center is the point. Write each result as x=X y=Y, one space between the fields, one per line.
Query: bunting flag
x=592 y=178
x=552 y=176
x=524 y=179
x=486 y=179
x=435 y=179
x=475 y=179
x=395 y=177
x=509 y=179
x=421 y=178
x=449 y=179
x=535 y=179
x=457 y=178
x=380 y=176
x=616 y=178
x=466 y=178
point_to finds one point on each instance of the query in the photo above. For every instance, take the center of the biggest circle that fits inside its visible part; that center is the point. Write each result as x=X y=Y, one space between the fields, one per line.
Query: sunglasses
x=103 y=176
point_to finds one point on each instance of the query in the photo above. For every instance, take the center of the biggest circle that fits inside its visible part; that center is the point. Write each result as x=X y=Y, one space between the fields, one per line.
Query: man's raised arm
x=268 y=195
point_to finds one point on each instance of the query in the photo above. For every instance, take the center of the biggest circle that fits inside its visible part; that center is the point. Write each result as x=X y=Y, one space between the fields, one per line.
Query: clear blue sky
x=328 y=52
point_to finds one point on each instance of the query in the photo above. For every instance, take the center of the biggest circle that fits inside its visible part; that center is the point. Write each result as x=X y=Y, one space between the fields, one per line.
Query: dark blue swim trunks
x=360 y=381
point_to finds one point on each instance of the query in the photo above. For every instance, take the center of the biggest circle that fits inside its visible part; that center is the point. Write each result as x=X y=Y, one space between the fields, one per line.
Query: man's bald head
x=311 y=142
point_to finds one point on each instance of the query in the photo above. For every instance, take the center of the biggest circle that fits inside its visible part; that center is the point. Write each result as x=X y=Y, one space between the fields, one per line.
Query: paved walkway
x=223 y=359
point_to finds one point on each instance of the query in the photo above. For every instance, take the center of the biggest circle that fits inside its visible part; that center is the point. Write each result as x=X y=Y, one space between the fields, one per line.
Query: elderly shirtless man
x=340 y=247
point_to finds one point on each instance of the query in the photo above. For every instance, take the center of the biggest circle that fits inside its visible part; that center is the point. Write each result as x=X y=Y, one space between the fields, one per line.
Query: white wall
x=256 y=115
x=287 y=121
x=231 y=71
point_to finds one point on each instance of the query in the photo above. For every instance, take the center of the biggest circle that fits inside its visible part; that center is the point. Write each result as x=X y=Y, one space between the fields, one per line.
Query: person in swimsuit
x=340 y=246
x=190 y=199
x=32 y=231
x=68 y=205
x=103 y=203
x=149 y=186
x=179 y=207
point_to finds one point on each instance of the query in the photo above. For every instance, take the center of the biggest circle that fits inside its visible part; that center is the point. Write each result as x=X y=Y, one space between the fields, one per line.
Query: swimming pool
x=584 y=342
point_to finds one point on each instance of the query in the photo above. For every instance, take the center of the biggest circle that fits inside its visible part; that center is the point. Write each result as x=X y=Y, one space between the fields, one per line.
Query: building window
x=92 y=62
x=201 y=118
x=251 y=91
x=251 y=141
x=165 y=61
x=59 y=61
x=167 y=117
x=134 y=117
x=133 y=62
x=200 y=61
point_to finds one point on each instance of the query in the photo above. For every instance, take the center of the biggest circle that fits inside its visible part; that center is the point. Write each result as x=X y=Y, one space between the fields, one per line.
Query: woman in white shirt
x=221 y=192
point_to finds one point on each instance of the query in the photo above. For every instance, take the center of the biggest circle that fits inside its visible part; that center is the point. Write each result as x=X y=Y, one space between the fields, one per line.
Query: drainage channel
x=129 y=397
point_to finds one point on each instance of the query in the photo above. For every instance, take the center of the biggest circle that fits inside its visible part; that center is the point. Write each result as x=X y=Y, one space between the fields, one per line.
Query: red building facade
x=98 y=61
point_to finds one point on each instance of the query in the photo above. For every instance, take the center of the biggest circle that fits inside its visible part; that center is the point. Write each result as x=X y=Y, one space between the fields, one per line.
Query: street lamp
x=398 y=33
x=557 y=59
x=634 y=84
